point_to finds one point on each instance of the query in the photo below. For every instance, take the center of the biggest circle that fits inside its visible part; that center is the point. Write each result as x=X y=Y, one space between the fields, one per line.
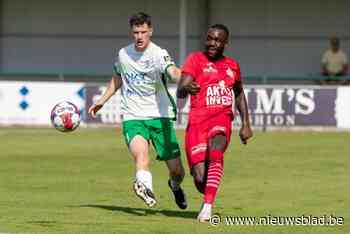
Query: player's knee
x=218 y=142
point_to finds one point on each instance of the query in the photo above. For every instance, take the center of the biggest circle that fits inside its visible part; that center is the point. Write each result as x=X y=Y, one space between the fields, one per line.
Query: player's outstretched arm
x=241 y=103
x=113 y=86
x=186 y=86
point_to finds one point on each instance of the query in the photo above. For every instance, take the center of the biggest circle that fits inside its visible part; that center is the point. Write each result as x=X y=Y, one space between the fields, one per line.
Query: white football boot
x=144 y=193
x=205 y=213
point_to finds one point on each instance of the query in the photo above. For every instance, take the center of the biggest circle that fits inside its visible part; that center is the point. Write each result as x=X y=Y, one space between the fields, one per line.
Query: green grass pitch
x=51 y=182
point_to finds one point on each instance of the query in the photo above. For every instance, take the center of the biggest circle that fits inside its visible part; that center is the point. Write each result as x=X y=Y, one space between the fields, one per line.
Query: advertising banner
x=30 y=103
x=110 y=113
x=291 y=106
x=275 y=106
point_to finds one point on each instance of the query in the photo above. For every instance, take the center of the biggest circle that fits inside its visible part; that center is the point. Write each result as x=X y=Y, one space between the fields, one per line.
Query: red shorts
x=198 y=135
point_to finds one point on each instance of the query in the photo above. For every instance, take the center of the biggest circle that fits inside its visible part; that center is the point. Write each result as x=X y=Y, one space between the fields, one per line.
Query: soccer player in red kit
x=212 y=80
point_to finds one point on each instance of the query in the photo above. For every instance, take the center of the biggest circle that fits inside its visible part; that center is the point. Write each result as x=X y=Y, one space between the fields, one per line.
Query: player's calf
x=179 y=195
x=176 y=174
x=199 y=176
x=200 y=186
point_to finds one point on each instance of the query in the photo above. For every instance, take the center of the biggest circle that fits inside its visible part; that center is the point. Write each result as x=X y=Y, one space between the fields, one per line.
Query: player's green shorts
x=159 y=131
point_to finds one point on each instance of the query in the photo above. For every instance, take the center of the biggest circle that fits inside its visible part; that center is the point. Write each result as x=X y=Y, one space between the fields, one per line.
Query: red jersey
x=216 y=81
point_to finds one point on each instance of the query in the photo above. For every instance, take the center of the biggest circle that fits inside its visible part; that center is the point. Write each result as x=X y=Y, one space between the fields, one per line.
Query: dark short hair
x=140 y=18
x=221 y=27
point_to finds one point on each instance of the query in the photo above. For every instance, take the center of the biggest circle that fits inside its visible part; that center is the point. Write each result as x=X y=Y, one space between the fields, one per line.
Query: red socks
x=215 y=172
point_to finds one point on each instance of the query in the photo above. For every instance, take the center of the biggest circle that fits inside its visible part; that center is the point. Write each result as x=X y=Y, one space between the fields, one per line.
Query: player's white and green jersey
x=144 y=92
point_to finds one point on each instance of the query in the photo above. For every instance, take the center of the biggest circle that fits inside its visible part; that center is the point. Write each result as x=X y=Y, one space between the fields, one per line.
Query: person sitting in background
x=334 y=60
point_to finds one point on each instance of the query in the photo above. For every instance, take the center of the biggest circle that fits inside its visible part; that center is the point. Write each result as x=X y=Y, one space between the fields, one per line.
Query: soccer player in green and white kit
x=148 y=110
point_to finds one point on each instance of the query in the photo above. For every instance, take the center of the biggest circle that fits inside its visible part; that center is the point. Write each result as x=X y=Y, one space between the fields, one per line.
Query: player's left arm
x=241 y=103
x=168 y=67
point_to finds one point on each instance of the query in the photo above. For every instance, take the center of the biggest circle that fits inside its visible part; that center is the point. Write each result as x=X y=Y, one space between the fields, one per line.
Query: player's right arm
x=113 y=86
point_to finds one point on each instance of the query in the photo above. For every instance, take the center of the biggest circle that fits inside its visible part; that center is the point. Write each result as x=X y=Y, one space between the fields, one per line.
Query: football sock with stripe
x=145 y=177
x=215 y=172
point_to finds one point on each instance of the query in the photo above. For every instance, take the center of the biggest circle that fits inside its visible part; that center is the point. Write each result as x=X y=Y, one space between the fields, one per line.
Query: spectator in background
x=334 y=60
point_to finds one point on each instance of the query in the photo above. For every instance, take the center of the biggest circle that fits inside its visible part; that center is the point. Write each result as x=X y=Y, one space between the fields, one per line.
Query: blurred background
x=268 y=37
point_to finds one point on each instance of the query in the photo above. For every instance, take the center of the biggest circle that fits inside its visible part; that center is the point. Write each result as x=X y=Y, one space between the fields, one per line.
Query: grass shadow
x=144 y=211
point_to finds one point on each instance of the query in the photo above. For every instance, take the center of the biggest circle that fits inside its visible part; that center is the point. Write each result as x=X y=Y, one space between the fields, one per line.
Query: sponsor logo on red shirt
x=218 y=94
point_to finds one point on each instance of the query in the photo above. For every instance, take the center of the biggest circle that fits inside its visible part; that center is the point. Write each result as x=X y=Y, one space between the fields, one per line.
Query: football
x=65 y=116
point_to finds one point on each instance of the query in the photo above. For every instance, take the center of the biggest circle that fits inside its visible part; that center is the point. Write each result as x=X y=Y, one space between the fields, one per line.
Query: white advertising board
x=343 y=107
x=31 y=102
